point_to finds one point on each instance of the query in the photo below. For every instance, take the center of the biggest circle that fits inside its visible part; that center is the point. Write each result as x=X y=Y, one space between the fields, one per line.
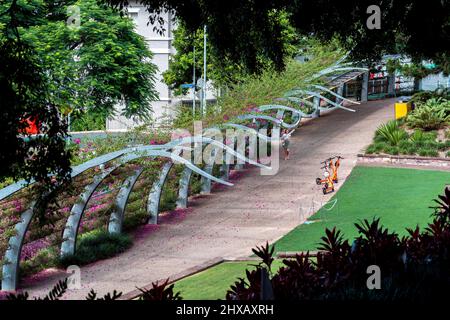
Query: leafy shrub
x=391 y=132
x=160 y=292
x=370 y=149
x=431 y=115
x=88 y=121
x=392 y=150
x=377 y=147
x=97 y=245
x=423 y=96
x=424 y=152
x=195 y=185
x=138 y=218
x=168 y=200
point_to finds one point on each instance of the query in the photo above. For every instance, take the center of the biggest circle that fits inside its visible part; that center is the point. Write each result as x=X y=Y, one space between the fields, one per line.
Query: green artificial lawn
x=213 y=283
x=399 y=197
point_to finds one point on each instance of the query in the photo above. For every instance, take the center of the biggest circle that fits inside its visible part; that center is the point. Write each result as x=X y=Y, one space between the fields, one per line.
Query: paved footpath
x=232 y=220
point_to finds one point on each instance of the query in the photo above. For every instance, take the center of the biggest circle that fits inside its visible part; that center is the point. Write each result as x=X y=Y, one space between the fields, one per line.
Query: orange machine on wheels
x=330 y=174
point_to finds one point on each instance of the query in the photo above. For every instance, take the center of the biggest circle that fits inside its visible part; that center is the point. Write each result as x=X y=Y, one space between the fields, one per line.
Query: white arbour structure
x=172 y=152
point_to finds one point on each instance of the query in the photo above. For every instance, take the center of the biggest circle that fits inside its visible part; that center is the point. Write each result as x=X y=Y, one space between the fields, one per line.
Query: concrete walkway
x=232 y=220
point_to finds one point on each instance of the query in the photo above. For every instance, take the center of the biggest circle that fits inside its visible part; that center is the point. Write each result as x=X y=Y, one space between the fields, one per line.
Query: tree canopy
x=24 y=95
x=222 y=71
x=51 y=67
x=96 y=65
x=242 y=30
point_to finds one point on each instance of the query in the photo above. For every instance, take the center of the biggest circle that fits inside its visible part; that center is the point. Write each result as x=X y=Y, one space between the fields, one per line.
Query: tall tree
x=241 y=29
x=24 y=95
x=49 y=66
x=95 y=63
x=418 y=29
x=221 y=70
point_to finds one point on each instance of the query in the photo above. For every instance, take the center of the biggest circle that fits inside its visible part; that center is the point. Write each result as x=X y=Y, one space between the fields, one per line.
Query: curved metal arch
x=318 y=95
x=70 y=232
x=335 y=68
x=268 y=118
x=335 y=94
x=298 y=101
x=296 y=96
x=278 y=107
x=297 y=114
x=71 y=229
x=225 y=171
x=183 y=188
x=259 y=116
x=10 y=271
x=245 y=128
x=155 y=194
x=201 y=139
x=116 y=218
x=13 y=188
x=206 y=183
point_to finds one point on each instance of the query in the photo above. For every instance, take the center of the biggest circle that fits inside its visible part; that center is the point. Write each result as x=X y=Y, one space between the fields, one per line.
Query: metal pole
x=204 y=70
x=193 y=87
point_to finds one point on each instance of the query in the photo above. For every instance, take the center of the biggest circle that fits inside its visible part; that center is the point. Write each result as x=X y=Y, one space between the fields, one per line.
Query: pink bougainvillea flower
x=30 y=249
x=77 y=140
x=226 y=118
x=152 y=142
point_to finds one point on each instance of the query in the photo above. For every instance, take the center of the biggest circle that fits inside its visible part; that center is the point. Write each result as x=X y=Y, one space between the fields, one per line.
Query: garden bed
x=434 y=162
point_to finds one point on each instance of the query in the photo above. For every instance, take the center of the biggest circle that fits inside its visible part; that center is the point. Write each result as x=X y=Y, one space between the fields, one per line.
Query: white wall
x=434 y=81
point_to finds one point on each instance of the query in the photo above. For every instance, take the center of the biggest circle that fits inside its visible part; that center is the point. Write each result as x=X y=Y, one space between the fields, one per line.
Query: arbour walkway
x=232 y=220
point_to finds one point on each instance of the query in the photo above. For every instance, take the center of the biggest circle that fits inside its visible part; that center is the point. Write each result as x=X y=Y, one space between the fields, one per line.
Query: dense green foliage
x=242 y=30
x=97 y=245
x=430 y=115
x=97 y=65
x=24 y=95
x=50 y=67
x=220 y=71
x=429 y=120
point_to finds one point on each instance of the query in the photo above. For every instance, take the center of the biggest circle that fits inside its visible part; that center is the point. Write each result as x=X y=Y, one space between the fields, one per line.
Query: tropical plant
x=58 y=291
x=221 y=72
x=391 y=132
x=422 y=96
x=431 y=115
x=160 y=292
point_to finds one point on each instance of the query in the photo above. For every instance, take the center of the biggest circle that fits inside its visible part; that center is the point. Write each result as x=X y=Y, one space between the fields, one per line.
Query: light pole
x=204 y=70
x=193 y=86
